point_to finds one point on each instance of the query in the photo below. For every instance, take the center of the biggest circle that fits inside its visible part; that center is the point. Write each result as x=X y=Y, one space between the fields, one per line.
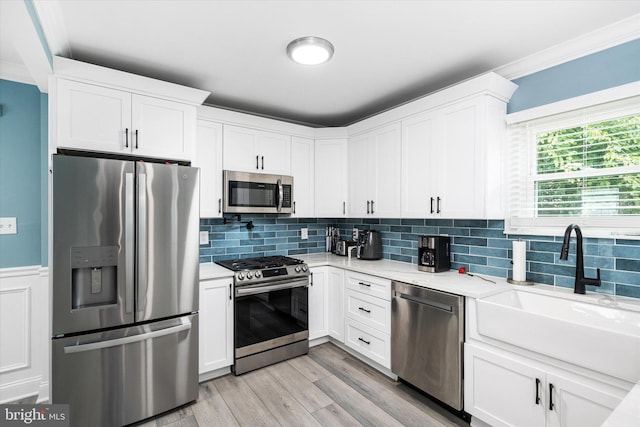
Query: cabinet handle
x=364 y=341
x=372 y=207
x=368 y=204
x=136 y=139
x=551 y=405
x=294 y=207
x=219 y=205
x=364 y=309
x=438 y=205
x=126 y=137
x=537 y=391
x=364 y=284
x=229 y=291
x=344 y=208
x=431 y=204
x=262 y=162
x=257 y=164
x=311 y=279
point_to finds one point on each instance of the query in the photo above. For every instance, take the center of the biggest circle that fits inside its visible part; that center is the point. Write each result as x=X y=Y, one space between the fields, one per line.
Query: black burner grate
x=242 y=264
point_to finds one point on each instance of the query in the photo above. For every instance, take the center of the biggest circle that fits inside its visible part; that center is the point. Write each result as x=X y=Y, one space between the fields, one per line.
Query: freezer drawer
x=122 y=376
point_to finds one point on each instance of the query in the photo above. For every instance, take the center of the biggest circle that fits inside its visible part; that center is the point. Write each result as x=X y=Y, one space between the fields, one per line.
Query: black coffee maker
x=433 y=254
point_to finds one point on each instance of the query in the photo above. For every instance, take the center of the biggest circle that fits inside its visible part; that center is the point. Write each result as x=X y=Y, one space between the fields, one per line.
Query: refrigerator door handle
x=129 y=239
x=142 y=242
x=184 y=326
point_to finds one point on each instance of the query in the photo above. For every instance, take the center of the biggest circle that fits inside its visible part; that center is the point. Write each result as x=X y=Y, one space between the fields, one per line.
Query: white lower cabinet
x=318 y=293
x=216 y=325
x=368 y=316
x=335 y=303
x=503 y=389
x=368 y=341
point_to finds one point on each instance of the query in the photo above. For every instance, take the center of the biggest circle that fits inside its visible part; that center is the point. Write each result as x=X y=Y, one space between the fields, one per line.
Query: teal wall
x=611 y=67
x=23 y=140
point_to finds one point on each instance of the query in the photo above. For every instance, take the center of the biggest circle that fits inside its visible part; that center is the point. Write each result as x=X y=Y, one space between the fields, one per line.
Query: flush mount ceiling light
x=310 y=50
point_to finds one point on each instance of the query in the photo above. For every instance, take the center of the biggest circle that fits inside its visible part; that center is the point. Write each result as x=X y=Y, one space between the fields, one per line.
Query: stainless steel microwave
x=246 y=192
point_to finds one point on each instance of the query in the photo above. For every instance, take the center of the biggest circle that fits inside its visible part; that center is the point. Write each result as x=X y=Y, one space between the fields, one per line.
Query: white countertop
x=449 y=281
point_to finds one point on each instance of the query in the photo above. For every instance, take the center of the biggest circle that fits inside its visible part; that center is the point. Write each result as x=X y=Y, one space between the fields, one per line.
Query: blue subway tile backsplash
x=478 y=245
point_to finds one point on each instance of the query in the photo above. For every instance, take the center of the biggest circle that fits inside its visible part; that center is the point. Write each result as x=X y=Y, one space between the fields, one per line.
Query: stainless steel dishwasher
x=427 y=335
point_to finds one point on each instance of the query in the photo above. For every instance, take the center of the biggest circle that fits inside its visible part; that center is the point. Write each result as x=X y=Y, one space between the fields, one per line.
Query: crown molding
x=606 y=37
x=52 y=22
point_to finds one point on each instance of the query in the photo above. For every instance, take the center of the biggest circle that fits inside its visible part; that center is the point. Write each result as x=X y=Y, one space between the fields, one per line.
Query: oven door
x=270 y=315
x=246 y=192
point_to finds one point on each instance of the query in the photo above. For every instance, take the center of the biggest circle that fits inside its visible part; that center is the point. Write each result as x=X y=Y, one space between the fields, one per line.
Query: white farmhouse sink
x=598 y=337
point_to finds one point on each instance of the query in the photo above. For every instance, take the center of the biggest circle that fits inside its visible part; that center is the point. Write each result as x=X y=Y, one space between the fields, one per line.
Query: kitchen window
x=582 y=166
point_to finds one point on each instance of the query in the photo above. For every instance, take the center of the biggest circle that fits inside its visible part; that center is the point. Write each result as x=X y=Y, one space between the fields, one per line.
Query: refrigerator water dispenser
x=94 y=278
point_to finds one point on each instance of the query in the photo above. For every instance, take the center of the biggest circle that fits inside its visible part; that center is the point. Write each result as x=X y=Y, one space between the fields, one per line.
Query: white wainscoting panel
x=24 y=333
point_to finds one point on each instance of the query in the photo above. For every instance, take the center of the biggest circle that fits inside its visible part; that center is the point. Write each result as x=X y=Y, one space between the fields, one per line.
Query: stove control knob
x=240 y=276
x=249 y=275
x=258 y=274
x=297 y=269
x=304 y=267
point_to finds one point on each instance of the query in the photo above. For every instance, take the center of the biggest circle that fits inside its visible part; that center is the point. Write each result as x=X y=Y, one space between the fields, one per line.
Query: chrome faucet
x=581 y=281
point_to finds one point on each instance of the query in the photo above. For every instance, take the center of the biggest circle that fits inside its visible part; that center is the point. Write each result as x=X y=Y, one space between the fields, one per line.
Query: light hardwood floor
x=327 y=387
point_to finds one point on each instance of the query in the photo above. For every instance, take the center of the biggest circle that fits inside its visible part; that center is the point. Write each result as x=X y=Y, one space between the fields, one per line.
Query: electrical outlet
x=304 y=233
x=354 y=234
x=8 y=226
x=204 y=237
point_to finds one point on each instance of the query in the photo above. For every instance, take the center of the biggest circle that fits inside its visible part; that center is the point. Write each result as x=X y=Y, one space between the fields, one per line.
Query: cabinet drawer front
x=370 y=285
x=369 y=342
x=371 y=311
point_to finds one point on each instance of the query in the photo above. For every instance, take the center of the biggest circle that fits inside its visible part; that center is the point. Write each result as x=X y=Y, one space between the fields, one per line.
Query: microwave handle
x=280 y=194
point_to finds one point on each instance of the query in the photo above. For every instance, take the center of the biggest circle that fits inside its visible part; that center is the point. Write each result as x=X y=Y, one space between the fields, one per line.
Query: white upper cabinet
x=330 y=178
x=101 y=119
x=302 y=170
x=252 y=150
x=209 y=159
x=162 y=128
x=452 y=160
x=374 y=173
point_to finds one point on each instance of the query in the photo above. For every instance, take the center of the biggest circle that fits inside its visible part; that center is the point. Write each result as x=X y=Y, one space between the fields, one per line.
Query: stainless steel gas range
x=271 y=318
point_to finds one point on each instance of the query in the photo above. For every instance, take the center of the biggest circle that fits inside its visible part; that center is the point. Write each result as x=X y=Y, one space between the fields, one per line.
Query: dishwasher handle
x=423 y=301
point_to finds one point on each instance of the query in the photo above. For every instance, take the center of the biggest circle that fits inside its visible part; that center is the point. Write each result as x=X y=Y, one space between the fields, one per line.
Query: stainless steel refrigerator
x=124 y=288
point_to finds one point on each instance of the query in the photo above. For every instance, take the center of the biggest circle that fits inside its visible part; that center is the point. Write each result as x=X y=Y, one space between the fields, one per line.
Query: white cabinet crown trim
x=94 y=74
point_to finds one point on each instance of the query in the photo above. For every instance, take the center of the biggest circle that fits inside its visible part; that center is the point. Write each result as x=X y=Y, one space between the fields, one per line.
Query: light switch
x=304 y=233
x=8 y=226
x=204 y=237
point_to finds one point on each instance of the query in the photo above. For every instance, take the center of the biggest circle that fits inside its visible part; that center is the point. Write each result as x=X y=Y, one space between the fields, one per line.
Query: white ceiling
x=386 y=52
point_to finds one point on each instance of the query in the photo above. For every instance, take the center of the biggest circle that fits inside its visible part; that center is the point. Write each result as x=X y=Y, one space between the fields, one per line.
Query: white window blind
x=582 y=166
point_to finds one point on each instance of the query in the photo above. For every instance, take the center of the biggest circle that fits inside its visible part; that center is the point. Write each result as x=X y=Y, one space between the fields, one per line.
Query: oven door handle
x=252 y=290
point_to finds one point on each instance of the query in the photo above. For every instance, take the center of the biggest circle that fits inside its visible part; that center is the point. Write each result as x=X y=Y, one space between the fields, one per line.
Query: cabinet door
x=162 y=128
x=459 y=160
x=274 y=150
x=385 y=179
x=302 y=167
x=240 y=146
x=209 y=159
x=318 y=324
x=361 y=157
x=92 y=118
x=417 y=156
x=335 y=303
x=502 y=391
x=216 y=325
x=577 y=404
x=331 y=178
